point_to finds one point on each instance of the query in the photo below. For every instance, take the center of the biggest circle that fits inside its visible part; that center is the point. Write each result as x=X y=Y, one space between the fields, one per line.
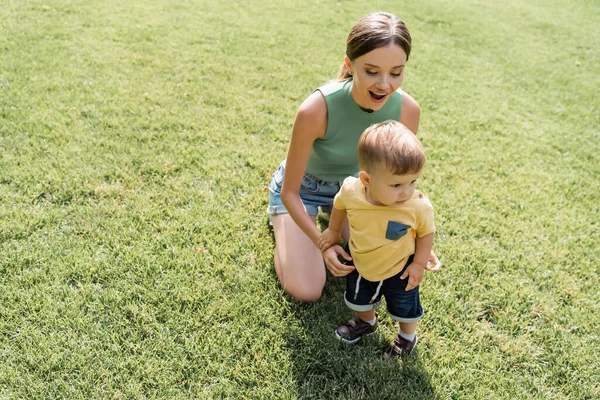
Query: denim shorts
x=314 y=193
x=402 y=305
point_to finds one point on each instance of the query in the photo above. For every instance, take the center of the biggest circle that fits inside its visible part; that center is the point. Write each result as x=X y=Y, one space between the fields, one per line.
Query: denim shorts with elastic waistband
x=314 y=193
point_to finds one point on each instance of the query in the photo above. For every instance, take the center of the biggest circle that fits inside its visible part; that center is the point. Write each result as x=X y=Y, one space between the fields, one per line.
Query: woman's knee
x=305 y=294
x=303 y=284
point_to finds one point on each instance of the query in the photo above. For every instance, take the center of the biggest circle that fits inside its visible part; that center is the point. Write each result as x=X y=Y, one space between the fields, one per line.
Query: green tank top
x=335 y=156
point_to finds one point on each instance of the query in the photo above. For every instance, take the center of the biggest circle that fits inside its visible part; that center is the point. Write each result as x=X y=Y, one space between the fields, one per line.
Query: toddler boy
x=391 y=234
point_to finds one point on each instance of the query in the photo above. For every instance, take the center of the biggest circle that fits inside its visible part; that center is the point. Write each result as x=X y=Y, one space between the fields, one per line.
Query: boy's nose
x=403 y=193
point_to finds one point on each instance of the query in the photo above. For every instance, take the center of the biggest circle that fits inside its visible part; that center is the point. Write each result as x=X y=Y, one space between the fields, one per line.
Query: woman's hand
x=330 y=256
x=433 y=264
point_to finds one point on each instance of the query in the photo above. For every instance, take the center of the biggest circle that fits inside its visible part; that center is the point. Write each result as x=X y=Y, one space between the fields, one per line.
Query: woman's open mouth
x=377 y=97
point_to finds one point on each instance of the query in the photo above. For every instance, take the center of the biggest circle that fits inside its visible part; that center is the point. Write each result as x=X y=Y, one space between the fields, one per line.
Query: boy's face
x=386 y=188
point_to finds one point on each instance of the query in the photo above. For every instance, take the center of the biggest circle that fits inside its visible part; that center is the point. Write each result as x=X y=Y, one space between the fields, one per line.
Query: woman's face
x=376 y=75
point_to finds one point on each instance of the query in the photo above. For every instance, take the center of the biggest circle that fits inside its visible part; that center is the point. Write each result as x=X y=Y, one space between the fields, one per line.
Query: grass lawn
x=137 y=140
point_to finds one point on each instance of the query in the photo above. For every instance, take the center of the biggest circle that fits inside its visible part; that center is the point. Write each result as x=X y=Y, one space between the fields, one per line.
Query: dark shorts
x=402 y=305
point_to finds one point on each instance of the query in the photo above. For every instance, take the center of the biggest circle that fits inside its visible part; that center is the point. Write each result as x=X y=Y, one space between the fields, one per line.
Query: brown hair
x=392 y=146
x=372 y=32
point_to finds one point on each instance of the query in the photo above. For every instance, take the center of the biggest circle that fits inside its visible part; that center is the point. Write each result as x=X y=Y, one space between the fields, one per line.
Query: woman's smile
x=378 y=96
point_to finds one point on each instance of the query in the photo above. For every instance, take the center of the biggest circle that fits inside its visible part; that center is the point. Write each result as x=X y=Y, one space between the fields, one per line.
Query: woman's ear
x=348 y=65
x=365 y=179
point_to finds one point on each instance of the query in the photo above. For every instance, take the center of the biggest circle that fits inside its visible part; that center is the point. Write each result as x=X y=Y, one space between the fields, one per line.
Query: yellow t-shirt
x=382 y=237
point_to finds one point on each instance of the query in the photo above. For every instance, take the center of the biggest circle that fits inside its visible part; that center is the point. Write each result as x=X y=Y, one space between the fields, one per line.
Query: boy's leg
x=408 y=332
x=408 y=328
x=358 y=297
x=405 y=307
x=366 y=315
x=298 y=262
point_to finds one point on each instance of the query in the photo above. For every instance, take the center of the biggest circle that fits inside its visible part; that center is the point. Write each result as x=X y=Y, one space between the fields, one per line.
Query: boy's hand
x=414 y=272
x=433 y=264
x=327 y=239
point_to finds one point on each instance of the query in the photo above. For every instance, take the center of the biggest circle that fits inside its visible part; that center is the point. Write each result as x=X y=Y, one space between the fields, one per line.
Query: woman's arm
x=310 y=124
x=331 y=235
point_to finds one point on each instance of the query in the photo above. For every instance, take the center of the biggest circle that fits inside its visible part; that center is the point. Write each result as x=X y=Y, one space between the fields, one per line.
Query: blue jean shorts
x=402 y=305
x=314 y=193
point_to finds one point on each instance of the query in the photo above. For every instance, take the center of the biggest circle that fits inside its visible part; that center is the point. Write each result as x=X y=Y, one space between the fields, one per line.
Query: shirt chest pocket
x=395 y=230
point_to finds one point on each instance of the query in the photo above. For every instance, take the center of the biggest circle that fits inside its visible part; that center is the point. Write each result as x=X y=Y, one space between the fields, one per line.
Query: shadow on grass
x=325 y=368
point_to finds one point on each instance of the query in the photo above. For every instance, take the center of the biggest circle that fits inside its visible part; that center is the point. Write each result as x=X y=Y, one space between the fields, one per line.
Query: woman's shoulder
x=312 y=114
x=408 y=100
x=314 y=106
x=410 y=113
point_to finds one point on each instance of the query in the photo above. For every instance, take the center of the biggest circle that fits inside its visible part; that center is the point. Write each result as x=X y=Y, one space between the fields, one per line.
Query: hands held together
x=329 y=247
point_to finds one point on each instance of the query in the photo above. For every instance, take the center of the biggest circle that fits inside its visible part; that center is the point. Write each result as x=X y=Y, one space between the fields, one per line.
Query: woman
x=323 y=149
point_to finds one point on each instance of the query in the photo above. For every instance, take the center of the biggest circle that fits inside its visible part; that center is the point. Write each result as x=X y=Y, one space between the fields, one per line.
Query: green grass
x=136 y=143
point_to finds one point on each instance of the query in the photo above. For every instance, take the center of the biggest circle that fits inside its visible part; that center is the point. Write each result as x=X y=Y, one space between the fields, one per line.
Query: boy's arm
x=331 y=235
x=423 y=247
x=416 y=269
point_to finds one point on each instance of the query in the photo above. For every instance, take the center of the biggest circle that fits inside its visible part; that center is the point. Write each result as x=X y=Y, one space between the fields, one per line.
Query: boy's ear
x=364 y=178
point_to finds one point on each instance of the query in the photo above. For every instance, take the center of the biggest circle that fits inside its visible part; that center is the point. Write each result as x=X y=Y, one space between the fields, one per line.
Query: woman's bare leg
x=298 y=262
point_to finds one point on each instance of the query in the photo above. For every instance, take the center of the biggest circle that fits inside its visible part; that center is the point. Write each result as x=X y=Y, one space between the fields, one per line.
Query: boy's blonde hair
x=392 y=146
